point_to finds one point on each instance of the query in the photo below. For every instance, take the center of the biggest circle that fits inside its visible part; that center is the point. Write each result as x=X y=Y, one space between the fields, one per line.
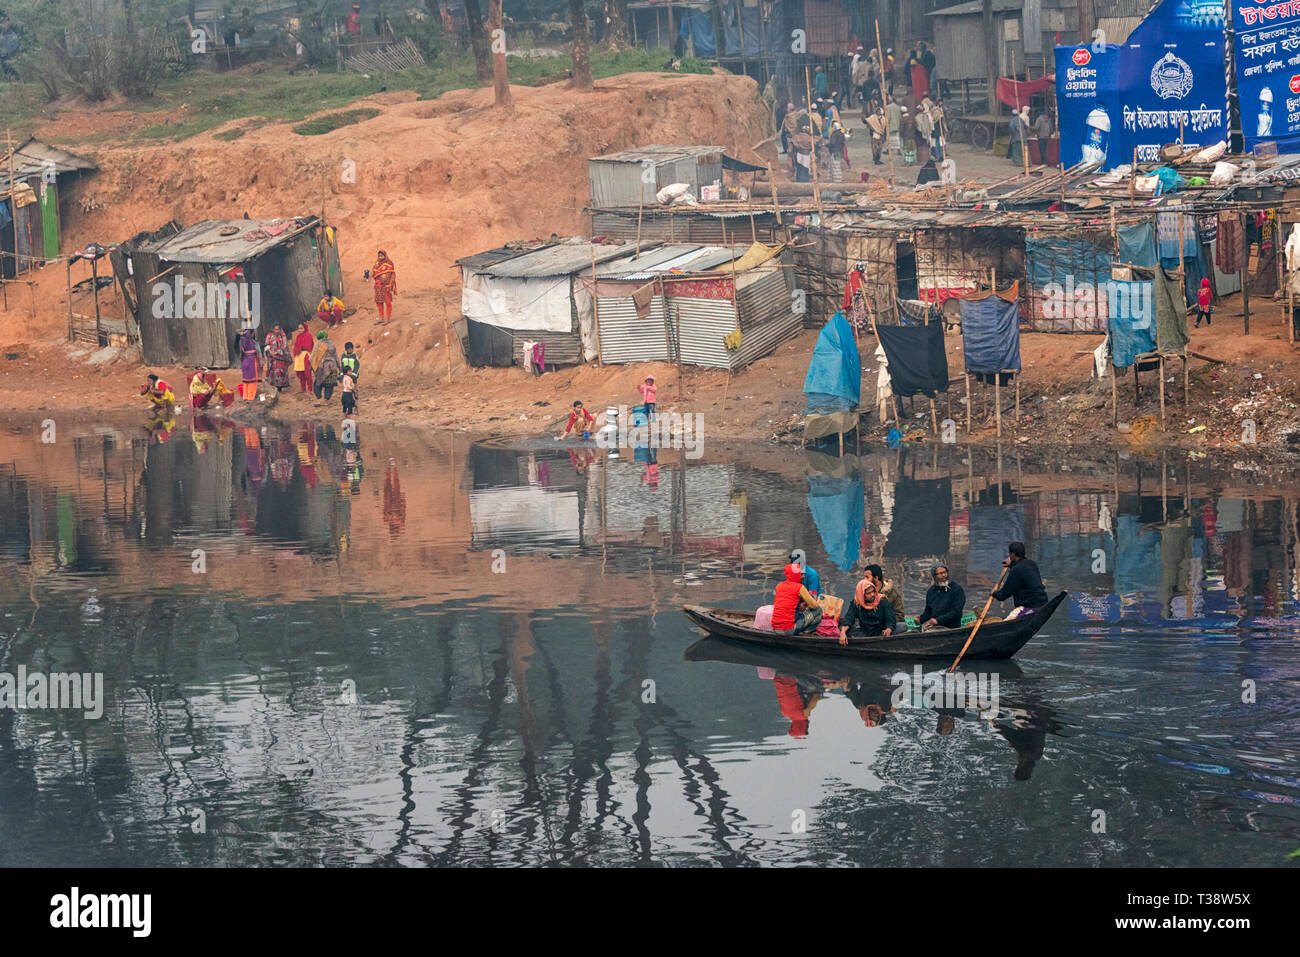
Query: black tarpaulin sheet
x=917 y=360
x=920 y=522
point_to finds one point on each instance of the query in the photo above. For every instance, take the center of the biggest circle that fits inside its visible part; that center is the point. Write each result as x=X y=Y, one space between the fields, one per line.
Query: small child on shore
x=1204 y=304
x=349 y=383
x=647 y=390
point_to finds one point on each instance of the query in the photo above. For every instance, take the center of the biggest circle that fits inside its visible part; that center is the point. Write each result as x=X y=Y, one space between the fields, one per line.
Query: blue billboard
x=1087 y=89
x=1266 y=54
x=1165 y=83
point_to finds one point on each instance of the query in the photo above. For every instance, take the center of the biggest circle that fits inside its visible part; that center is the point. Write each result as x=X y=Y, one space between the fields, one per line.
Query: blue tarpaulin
x=834 y=380
x=1137 y=245
x=1133 y=330
x=836 y=507
x=697 y=25
x=990 y=331
x=749 y=24
x=1053 y=259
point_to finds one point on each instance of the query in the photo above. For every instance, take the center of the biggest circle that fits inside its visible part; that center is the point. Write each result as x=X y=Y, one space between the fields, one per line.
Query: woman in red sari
x=384 y=274
x=302 y=345
x=278 y=358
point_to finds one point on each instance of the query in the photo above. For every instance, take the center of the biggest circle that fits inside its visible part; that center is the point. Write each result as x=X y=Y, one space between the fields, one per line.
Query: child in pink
x=647 y=390
x=1204 y=300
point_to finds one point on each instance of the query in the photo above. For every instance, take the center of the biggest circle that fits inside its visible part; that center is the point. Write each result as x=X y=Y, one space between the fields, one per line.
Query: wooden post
x=595 y=314
x=640 y=208
x=884 y=86
x=1161 y=367
x=1184 y=378
x=1244 y=274
x=70 y=334
x=966 y=376
x=1132 y=181
x=13 y=203
x=1114 y=397
x=997 y=401
x=934 y=419
x=1017 y=378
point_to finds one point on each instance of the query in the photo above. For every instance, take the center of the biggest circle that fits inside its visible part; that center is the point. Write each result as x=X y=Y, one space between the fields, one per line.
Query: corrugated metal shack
x=701 y=295
x=193 y=290
x=521 y=293
x=33 y=198
x=632 y=177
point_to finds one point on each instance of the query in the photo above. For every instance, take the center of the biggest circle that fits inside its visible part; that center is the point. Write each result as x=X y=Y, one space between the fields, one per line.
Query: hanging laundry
x=539 y=356
x=1227 y=250
x=917 y=359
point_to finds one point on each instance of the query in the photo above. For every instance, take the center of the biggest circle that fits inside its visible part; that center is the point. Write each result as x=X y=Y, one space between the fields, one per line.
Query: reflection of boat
x=792 y=662
x=999 y=639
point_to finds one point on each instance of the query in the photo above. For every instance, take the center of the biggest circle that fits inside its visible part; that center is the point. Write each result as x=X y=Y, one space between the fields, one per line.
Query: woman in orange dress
x=384 y=274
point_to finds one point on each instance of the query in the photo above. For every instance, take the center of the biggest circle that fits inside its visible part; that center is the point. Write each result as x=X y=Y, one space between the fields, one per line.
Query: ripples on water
x=414 y=649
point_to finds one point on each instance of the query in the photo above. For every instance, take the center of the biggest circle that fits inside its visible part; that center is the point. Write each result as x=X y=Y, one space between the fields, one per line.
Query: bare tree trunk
x=500 y=80
x=581 y=46
x=617 y=36
x=478 y=41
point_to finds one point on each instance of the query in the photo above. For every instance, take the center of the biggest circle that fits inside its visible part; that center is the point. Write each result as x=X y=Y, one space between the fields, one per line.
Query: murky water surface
x=413 y=649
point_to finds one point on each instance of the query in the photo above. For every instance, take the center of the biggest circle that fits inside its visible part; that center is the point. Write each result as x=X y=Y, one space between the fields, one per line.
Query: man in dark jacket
x=1023 y=585
x=945 y=601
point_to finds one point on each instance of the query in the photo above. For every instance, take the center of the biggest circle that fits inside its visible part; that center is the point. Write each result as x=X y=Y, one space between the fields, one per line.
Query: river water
x=391 y=647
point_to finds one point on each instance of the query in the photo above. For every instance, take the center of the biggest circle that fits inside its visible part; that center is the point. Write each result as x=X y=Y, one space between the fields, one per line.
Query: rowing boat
x=996 y=639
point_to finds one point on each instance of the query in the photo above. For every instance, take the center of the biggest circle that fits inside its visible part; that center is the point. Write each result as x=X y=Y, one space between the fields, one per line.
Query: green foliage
x=333 y=121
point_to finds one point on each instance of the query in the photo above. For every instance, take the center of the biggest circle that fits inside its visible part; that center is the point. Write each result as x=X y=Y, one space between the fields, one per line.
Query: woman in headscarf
x=250 y=366
x=328 y=371
x=302 y=344
x=869 y=612
x=278 y=357
x=384 y=274
x=206 y=386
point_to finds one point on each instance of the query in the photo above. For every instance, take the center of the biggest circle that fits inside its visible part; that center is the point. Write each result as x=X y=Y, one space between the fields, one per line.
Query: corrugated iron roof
x=680 y=257
x=32 y=157
x=658 y=153
x=560 y=259
x=227 y=240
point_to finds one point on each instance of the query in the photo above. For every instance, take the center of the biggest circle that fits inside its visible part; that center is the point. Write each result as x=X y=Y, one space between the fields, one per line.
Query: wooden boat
x=997 y=639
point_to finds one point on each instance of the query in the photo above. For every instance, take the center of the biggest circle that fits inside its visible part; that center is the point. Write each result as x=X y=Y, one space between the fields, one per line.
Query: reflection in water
x=475 y=655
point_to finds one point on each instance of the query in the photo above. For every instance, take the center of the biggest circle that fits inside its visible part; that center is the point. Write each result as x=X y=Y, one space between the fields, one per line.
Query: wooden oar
x=974 y=631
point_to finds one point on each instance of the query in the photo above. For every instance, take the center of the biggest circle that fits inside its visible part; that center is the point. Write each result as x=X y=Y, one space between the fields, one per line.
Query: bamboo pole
x=812 y=134
x=640 y=208
x=1132 y=181
x=997 y=401
x=1024 y=152
x=1161 y=366
x=1114 y=397
x=966 y=376
x=1244 y=274
x=884 y=86
x=13 y=198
